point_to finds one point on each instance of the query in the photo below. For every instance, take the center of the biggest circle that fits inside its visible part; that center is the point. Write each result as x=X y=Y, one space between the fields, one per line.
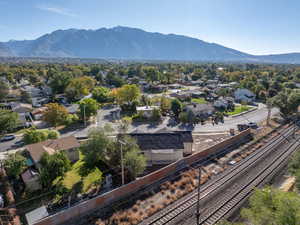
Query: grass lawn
x=239 y=109
x=199 y=100
x=74 y=180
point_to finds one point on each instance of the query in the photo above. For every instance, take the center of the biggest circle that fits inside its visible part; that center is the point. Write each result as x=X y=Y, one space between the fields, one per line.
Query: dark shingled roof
x=186 y=136
x=158 y=141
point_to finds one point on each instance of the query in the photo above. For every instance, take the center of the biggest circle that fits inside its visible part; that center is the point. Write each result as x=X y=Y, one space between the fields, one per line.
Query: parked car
x=242 y=127
x=232 y=162
x=19 y=144
x=253 y=125
x=7 y=138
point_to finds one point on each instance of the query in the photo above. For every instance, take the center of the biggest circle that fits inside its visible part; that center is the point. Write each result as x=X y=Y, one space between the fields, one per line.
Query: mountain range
x=131 y=44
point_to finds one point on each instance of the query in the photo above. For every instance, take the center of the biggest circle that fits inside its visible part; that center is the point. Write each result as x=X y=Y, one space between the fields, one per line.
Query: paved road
x=4 y=146
x=104 y=117
x=230 y=122
x=255 y=116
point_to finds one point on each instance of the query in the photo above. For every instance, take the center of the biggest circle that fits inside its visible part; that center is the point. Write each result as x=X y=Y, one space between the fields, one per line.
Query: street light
x=122 y=163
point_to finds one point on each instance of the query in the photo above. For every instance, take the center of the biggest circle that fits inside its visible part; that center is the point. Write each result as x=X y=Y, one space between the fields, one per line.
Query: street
x=255 y=116
x=104 y=117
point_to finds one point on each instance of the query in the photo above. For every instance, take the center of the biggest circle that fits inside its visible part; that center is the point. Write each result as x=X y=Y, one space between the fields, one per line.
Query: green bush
x=33 y=135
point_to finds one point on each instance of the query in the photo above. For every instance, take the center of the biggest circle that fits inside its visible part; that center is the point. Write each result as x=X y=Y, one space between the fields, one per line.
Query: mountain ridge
x=131 y=44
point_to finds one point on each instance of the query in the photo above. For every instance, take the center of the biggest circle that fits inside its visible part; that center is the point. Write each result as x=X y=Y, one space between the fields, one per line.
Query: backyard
x=80 y=181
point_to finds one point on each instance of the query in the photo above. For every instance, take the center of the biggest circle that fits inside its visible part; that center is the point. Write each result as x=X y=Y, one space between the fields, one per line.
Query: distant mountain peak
x=123 y=42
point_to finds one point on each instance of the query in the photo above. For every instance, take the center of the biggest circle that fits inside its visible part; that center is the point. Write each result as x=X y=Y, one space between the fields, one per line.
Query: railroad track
x=212 y=187
x=245 y=188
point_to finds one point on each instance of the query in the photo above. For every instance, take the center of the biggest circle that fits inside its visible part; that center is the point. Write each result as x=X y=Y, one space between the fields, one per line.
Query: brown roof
x=51 y=146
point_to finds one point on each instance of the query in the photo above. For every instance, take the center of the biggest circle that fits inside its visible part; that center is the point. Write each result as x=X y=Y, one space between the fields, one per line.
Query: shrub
x=33 y=135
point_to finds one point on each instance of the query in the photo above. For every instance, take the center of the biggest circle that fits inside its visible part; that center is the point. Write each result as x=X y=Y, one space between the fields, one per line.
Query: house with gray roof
x=165 y=147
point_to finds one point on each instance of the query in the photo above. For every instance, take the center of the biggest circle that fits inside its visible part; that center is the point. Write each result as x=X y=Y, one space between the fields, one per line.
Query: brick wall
x=121 y=192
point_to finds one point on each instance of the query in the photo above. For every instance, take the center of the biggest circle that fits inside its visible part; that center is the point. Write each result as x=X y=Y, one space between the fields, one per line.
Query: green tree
x=135 y=162
x=55 y=114
x=95 y=148
x=114 y=79
x=165 y=104
x=287 y=101
x=52 y=167
x=183 y=117
x=127 y=94
x=79 y=87
x=101 y=94
x=270 y=206
x=156 y=115
x=294 y=163
x=176 y=107
x=4 y=90
x=88 y=107
x=152 y=74
x=60 y=81
x=15 y=164
x=34 y=136
x=8 y=121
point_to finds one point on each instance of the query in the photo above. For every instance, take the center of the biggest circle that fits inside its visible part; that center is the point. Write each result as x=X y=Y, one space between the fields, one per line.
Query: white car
x=232 y=162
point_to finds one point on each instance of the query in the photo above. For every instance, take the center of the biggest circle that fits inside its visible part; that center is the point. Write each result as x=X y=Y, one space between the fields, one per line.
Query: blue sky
x=253 y=26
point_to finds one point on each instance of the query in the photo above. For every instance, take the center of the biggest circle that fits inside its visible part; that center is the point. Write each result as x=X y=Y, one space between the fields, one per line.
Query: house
x=224 y=103
x=73 y=108
x=37 y=113
x=182 y=95
x=39 y=101
x=31 y=179
x=23 y=111
x=199 y=83
x=244 y=95
x=69 y=145
x=163 y=148
x=156 y=88
x=33 y=92
x=188 y=141
x=174 y=86
x=146 y=111
x=46 y=90
x=19 y=107
x=198 y=94
x=200 y=111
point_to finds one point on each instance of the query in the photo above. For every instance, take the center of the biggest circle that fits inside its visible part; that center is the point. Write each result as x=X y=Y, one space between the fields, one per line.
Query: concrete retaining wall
x=98 y=202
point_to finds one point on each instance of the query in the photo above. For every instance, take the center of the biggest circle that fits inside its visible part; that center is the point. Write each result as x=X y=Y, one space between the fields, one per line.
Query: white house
x=244 y=95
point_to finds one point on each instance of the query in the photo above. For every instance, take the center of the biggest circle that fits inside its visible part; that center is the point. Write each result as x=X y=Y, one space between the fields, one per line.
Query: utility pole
x=198 y=198
x=122 y=162
x=84 y=115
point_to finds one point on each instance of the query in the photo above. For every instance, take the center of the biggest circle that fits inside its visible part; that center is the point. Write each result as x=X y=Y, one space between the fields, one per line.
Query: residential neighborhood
x=80 y=137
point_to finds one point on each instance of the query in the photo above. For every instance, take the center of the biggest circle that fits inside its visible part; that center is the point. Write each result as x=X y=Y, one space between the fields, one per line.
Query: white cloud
x=57 y=10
